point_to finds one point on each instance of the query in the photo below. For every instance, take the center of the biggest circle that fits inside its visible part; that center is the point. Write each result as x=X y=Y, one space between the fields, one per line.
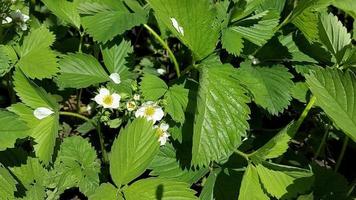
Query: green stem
x=101 y=140
x=342 y=153
x=81 y=34
x=323 y=141
x=305 y=112
x=79 y=96
x=242 y=154
x=165 y=45
x=74 y=115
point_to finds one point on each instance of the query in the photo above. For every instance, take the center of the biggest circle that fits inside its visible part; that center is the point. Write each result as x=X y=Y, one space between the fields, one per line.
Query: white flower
x=7 y=20
x=176 y=26
x=18 y=16
x=161 y=71
x=115 y=77
x=107 y=100
x=151 y=111
x=42 y=112
x=163 y=134
x=130 y=105
x=136 y=97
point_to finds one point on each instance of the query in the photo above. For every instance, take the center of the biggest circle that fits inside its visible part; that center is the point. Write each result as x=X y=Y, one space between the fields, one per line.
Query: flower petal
x=115 y=101
x=140 y=112
x=164 y=127
x=158 y=115
x=42 y=112
x=99 y=98
x=115 y=77
x=104 y=91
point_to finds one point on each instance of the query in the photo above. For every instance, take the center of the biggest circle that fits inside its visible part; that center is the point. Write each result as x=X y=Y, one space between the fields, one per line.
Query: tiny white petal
x=7 y=20
x=116 y=101
x=176 y=26
x=140 y=112
x=104 y=91
x=161 y=71
x=164 y=126
x=136 y=97
x=163 y=139
x=42 y=112
x=99 y=98
x=23 y=27
x=25 y=18
x=148 y=103
x=115 y=77
x=158 y=115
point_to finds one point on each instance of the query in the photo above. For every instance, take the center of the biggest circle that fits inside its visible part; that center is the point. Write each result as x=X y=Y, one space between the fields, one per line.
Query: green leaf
x=336 y=93
x=153 y=87
x=333 y=35
x=7 y=184
x=261 y=32
x=349 y=6
x=30 y=173
x=277 y=146
x=279 y=180
x=65 y=10
x=31 y=94
x=115 y=57
x=207 y=192
x=105 y=25
x=251 y=187
x=77 y=165
x=300 y=91
x=200 y=28
x=157 y=188
x=43 y=131
x=7 y=58
x=133 y=151
x=37 y=60
x=296 y=54
x=106 y=191
x=80 y=71
x=271 y=86
x=232 y=41
x=217 y=127
x=11 y=129
x=35 y=191
x=165 y=165
x=307 y=23
x=177 y=101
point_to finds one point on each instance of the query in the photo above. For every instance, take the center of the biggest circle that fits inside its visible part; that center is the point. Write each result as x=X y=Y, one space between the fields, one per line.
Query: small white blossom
x=163 y=134
x=161 y=71
x=151 y=111
x=176 y=26
x=7 y=20
x=115 y=77
x=107 y=100
x=136 y=97
x=42 y=112
x=19 y=16
x=130 y=106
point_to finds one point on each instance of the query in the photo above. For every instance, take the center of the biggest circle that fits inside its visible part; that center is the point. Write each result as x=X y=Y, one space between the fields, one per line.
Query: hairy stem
x=165 y=45
x=342 y=153
x=79 y=116
x=242 y=154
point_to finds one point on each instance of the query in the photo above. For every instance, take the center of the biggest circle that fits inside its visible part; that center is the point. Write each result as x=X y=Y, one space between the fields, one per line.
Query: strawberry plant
x=177 y=99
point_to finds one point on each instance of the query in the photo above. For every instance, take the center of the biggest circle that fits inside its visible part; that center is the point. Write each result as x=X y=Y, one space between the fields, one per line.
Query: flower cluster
x=17 y=17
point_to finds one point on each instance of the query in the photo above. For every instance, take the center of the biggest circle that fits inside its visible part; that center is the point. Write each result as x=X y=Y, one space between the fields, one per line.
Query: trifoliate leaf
x=35 y=191
x=277 y=145
x=115 y=57
x=153 y=87
x=105 y=25
x=77 y=165
x=348 y=6
x=221 y=115
x=133 y=150
x=250 y=186
x=80 y=70
x=232 y=41
x=261 y=32
x=65 y=10
x=11 y=129
x=177 y=101
x=157 y=188
x=7 y=184
x=165 y=165
x=280 y=181
x=271 y=86
x=336 y=93
x=333 y=35
x=106 y=191
x=199 y=30
x=37 y=60
x=7 y=58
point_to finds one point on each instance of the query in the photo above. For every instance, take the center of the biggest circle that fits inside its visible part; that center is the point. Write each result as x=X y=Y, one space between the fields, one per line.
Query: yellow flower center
x=150 y=111
x=160 y=132
x=108 y=100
